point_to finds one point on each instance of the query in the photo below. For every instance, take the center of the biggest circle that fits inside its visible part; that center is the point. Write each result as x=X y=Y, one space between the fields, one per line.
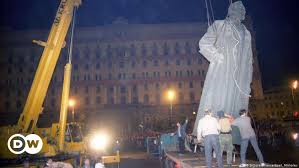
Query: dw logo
x=18 y=144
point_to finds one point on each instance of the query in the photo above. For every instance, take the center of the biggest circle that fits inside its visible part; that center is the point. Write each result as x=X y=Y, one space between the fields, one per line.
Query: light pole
x=294 y=87
x=72 y=105
x=170 y=96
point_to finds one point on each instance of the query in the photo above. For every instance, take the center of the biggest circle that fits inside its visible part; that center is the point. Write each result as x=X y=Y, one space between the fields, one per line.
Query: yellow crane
x=33 y=106
x=61 y=138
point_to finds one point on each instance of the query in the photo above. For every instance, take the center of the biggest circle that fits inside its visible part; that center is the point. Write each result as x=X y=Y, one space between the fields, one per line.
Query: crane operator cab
x=73 y=137
x=73 y=132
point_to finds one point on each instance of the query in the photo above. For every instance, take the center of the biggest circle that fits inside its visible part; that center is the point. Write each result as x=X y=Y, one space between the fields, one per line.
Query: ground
x=137 y=160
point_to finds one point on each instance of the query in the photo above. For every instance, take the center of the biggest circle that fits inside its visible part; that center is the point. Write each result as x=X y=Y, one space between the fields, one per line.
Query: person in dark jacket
x=181 y=134
x=247 y=135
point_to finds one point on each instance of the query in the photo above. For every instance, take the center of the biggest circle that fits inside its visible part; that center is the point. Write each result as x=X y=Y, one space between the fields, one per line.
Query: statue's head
x=236 y=11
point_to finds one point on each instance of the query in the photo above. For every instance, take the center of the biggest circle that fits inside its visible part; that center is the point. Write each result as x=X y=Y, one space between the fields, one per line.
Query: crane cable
x=72 y=36
x=210 y=14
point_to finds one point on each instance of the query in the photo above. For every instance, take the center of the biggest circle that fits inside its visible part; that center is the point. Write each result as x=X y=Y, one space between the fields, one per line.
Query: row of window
x=118 y=51
x=111 y=100
x=123 y=76
x=109 y=65
x=279 y=113
x=277 y=97
x=124 y=89
x=133 y=64
x=120 y=76
x=132 y=50
x=285 y=104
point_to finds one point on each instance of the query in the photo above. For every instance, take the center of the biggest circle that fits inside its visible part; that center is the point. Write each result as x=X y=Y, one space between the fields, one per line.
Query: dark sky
x=275 y=23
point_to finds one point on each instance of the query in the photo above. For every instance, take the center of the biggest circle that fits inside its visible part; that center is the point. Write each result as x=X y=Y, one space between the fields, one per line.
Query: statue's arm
x=207 y=45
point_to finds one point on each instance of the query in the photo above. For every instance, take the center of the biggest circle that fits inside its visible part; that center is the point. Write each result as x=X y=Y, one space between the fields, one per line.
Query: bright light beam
x=99 y=141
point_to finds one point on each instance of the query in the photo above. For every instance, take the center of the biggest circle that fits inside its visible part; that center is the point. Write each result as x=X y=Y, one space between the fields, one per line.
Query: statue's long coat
x=227 y=83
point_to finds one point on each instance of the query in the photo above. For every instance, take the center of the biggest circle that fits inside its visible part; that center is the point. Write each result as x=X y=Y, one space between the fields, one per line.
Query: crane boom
x=43 y=75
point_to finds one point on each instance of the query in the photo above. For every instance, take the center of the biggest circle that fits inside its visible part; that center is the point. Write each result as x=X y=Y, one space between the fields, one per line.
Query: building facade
x=120 y=73
x=281 y=102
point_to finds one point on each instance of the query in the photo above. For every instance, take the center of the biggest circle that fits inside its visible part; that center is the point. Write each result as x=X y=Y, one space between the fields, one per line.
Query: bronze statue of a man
x=227 y=46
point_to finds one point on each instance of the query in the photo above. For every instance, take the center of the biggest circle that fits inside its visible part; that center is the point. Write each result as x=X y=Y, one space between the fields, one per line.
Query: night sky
x=275 y=23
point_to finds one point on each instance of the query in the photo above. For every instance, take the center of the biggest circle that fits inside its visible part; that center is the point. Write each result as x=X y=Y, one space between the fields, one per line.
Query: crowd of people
x=271 y=133
x=136 y=141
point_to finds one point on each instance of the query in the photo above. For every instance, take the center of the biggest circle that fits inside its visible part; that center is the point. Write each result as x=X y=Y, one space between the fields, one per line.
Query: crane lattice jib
x=43 y=75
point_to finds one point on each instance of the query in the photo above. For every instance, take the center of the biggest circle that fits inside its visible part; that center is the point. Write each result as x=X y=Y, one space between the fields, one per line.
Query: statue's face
x=237 y=11
x=239 y=15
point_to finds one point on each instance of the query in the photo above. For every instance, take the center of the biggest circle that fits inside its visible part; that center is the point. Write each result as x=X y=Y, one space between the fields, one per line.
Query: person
x=99 y=164
x=26 y=164
x=247 y=134
x=225 y=137
x=181 y=134
x=227 y=46
x=208 y=128
x=87 y=164
x=51 y=164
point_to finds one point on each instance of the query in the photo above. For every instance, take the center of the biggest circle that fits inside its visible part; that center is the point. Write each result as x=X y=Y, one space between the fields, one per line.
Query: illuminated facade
x=280 y=102
x=118 y=70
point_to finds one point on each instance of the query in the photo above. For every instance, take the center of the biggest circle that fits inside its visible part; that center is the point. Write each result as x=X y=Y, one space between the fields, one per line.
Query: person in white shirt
x=208 y=128
x=100 y=163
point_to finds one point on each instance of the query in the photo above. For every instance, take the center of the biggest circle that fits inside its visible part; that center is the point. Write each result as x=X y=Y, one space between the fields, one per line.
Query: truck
x=194 y=155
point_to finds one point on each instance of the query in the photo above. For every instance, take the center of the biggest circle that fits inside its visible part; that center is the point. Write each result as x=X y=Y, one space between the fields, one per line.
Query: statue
x=227 y=46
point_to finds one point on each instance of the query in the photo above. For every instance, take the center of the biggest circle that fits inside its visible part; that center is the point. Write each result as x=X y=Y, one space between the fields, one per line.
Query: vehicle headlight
x=99 y=141
x=295 y=136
